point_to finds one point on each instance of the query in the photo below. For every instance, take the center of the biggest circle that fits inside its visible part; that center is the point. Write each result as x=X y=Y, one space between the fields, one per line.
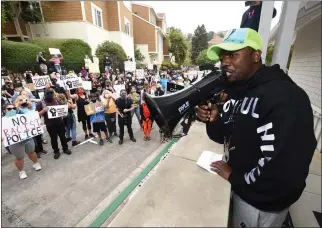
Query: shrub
x=140 y=65
x=73 y=50
x=166 y=64
x=115 y=53
x=175 y=66
x=19 y=57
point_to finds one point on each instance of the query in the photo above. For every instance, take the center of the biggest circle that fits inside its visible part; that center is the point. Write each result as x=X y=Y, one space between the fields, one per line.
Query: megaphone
x=169 y=109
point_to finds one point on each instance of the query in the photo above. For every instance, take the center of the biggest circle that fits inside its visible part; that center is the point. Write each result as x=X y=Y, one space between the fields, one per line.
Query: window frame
x=96 y=9
x=127 y=21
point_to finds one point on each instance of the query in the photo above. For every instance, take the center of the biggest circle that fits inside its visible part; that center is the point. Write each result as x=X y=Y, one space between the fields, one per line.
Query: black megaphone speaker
x=168 y=110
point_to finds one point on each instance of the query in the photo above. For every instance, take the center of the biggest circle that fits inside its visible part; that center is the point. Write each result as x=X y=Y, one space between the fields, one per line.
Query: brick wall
x=305 y=67
x=141 y=11
x=62 y=11
x=144 y=33
x=159 y=23
x=125 y=12
x=9 y=29
x=166 y=45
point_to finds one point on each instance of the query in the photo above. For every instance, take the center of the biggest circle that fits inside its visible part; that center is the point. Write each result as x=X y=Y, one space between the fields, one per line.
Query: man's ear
x=257 y=56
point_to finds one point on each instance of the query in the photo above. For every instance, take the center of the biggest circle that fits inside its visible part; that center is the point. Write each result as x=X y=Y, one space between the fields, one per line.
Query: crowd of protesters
x=119 y=107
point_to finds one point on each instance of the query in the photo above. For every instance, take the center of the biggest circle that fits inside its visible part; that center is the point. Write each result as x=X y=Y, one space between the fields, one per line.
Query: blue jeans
x=137 y=113
x=58 y=68
x=71 y=128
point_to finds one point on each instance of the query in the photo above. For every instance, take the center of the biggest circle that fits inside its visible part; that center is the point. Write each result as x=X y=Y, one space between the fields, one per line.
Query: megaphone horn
x=169 y=109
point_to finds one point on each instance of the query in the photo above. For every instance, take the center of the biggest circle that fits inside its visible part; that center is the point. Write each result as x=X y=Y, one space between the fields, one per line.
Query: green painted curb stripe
x=122 y=196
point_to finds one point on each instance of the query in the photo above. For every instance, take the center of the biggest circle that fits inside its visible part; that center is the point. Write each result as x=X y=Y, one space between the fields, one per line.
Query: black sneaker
x=67 y=151
x=120 y=142
x=68 y=139
x=43 y=151
x=75 y=143
x=101 y=142
x=91 y=135
x=115 y=134
x=133 y=139
x=56 y=155
x=86 y=136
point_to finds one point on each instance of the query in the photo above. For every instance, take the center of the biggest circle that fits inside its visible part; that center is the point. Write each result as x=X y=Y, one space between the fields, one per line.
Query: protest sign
x=87 y=85
x=150 y=66
x=30 y=86
x=94 y=108
x=41 y=82
x=21 y=127
x=172 y=87
x=57 y=111
x=73 y=83
x=54 y=51
x=69 y=76
x=139 y=73
x=129 y=66
x=118 y=89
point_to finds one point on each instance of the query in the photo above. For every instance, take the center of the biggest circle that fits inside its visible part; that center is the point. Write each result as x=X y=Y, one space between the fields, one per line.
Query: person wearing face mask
x=124 y=108
x=24 y=105
x=27 y=146
x=110 y=113
x=135 y=97
x=82 y=100
x=7 y=90
x=55 y=126
x=98 y=122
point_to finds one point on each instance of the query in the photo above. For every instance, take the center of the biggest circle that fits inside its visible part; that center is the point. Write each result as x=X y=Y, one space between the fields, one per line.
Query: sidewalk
x=179 y=193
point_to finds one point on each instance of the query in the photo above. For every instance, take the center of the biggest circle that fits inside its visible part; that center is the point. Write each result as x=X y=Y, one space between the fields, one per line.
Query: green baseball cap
x=236 y=39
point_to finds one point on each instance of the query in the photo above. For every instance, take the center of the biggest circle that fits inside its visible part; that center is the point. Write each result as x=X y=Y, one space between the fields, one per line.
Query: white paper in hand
x=206 y=158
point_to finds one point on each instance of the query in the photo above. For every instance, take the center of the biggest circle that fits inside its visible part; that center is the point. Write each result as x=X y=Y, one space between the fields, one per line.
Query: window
x=127 y=26
x=97 y=16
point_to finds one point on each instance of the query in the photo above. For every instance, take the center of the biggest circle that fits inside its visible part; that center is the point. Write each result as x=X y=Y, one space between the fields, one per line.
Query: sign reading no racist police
x=20 y=127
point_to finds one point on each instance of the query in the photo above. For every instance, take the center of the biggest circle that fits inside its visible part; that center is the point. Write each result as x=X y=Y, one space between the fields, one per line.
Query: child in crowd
x=98 y=122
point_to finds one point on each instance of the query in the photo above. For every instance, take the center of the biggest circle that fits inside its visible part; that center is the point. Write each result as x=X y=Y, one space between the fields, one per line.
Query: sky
x=215 y=15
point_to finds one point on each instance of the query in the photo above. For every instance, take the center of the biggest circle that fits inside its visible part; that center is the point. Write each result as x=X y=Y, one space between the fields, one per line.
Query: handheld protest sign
x=129 y=66
x=94 y=108
x=150 y=66
x=57 y=111
x=21 y=127
x=139 y=73
x=41 y=82
x=172 y=87
x=73 y=83
x=87 y=85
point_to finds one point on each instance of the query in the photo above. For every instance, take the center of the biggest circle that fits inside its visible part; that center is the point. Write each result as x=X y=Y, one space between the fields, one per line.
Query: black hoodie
x=269 y=122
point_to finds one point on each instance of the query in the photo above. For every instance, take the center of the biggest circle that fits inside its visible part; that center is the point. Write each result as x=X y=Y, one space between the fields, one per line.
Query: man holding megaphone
x=266 y=126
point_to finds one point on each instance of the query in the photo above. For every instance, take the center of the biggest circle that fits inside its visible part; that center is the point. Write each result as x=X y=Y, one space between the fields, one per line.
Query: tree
x=210 y=35
x=203 y=58
x=221 y=34
x=177 y=45
x=114 y=51
x=270 y=52
x=29 y=11
x=139 y=57
x=199 y=42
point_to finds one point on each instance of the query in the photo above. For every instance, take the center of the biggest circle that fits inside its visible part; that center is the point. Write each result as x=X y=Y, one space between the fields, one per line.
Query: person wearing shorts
x=19 y=149
x=98 y=121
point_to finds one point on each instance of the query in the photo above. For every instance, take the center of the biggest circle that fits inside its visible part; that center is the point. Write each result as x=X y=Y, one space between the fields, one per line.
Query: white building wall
x=305 y=67
x=144 y=49
x=87 y=32
x=160 y=46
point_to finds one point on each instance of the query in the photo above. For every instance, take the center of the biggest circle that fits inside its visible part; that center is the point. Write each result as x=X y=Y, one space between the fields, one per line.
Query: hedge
x=167 y=65
x=19 y=57
x=73 y=50
x=115 y=53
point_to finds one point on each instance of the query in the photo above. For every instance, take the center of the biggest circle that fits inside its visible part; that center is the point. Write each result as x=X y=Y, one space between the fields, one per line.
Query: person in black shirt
x=108 y=63
x=124 y=108
x=42 y=63
x=7 y=90
x=252 y=15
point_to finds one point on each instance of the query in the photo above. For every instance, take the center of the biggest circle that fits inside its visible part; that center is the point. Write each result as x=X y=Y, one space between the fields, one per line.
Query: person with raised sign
x=98 y=121
x=55 y=126
x=20 y=148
